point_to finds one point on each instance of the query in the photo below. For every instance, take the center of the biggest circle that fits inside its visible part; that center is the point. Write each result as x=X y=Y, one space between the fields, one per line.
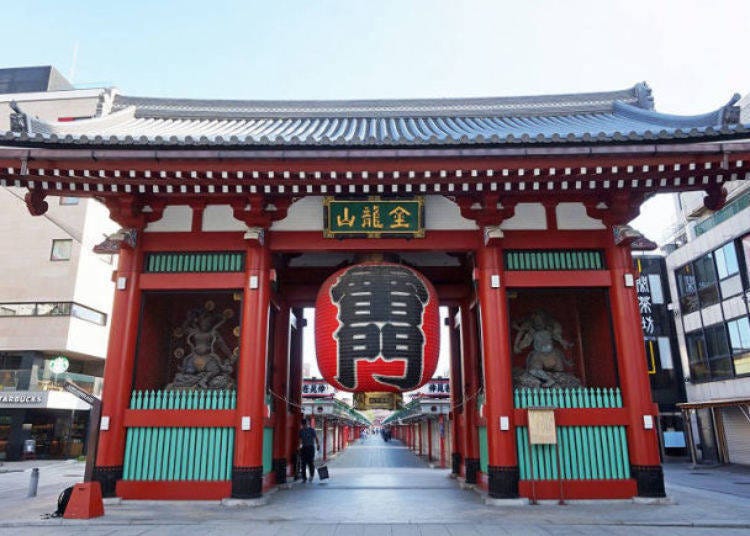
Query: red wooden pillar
x=247 y=471
x=429 y=440
x=294 y=389
x=469 y=352
x=643 y=443
x=441 y=431
x=118 y=370
x=280 y=380
x=325 y=439
x=420 y=448
x=457 y=429
x=502 y=472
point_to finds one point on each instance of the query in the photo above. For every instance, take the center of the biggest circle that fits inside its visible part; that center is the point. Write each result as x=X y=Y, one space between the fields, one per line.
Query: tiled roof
x=606 y=117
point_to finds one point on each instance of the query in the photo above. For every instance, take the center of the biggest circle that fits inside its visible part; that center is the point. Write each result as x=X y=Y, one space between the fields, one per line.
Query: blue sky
x=694 y=54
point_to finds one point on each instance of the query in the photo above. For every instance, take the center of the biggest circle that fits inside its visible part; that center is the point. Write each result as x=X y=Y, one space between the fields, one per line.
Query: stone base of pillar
x=279 y=468
x=472 y=468
x=649 y=480
x=456 y=463
x=107 y=476
x=503 y=482
x=247 y=482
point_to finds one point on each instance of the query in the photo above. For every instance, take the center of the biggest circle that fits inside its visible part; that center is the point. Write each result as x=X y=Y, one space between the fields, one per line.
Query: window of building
x=717 y=349
x=687 y=289
x=61 y=250
x=68 y=200
x=705 y=277
x=739 y=338
x=726 y=261
x=696 y=349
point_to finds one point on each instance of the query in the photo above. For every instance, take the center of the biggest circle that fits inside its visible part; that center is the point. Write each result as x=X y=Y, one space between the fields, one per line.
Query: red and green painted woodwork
x=161 y=458
x=591 y=457
x=502 y=467
x=631 y=363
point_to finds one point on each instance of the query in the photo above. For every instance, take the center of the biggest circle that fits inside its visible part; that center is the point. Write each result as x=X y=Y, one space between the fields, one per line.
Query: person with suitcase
x=308 y=440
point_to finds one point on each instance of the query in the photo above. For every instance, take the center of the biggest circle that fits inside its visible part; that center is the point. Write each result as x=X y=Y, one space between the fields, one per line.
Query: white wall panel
x=176 y=218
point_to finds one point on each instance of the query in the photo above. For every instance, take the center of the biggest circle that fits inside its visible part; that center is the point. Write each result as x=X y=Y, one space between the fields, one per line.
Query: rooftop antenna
x=72 y=73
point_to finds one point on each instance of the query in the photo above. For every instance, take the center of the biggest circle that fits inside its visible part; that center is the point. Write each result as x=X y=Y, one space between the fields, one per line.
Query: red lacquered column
x=470 y=386
x=118 y=369
x=643 y=444
x=502 y=469
x=280 y=381
x=247 y=472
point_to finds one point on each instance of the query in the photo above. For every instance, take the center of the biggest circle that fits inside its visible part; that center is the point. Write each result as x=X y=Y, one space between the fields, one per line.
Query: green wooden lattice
x=213 y=261
x=553 y=260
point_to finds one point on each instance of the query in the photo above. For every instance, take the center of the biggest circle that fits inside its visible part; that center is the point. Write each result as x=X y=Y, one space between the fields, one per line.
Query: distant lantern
x=377 y=328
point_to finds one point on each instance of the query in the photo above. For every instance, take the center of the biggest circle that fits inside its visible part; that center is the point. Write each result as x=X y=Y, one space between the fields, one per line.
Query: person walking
x=308 y=441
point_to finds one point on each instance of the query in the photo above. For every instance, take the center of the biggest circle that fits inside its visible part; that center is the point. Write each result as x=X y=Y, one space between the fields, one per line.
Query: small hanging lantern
x=377 y=328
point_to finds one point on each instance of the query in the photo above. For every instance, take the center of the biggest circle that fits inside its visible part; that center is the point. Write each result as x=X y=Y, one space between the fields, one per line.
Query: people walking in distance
x=308 y=443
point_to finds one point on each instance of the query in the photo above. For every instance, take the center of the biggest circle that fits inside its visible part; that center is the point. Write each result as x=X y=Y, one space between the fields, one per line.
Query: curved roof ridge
x=569 y=103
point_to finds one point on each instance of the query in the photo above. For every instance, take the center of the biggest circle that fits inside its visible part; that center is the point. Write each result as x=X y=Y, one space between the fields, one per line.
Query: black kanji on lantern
x=380 y=311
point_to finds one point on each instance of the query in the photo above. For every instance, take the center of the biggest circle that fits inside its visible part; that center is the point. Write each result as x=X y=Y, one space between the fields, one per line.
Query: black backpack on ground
x=62 y=502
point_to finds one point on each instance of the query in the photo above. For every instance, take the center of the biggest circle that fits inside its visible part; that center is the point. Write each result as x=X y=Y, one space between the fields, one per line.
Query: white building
x=710 y=283
x=55 y=294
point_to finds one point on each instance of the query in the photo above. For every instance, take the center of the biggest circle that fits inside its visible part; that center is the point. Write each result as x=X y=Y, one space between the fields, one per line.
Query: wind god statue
x=206 y=360
x=546 y=361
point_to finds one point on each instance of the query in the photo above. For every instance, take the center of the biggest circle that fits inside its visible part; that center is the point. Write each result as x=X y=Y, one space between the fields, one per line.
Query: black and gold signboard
x=374 y=218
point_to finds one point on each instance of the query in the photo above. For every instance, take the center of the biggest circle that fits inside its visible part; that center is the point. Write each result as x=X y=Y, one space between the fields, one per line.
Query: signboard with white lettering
x=23 y=399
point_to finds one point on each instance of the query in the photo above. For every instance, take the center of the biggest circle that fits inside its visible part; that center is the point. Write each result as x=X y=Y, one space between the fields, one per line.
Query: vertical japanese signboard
x=374 y=218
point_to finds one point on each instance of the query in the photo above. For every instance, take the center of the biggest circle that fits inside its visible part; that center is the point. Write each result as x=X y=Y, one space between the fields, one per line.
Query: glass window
x=739 y=337
x=726 y=260
x=61 y=250
x=705 y=277
x=687 y=289
x=68 y=200
x=716 y=341
x=697 y=357
x=90 y=315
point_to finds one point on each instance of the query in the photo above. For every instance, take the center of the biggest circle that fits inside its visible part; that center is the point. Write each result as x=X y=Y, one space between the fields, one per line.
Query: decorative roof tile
x=607 y=117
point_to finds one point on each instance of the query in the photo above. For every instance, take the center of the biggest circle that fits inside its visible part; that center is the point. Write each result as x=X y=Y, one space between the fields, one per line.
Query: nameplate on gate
x=542 y=429
x=374 y=217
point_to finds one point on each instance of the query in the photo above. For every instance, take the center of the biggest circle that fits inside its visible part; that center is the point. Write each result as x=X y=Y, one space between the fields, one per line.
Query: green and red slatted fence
x=209 y=261
x=553 y=260
x=585 y=452
x=180 y=453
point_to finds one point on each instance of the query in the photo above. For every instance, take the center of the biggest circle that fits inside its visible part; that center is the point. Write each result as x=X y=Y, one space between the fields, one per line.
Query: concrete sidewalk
x=389 y=499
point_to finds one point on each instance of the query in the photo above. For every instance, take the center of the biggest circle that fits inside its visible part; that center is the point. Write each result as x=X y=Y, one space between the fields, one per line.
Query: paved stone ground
x=382 y=489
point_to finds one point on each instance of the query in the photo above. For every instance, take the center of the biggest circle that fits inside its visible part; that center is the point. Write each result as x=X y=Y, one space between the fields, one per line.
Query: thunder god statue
x=205 y=360
x=545 y=361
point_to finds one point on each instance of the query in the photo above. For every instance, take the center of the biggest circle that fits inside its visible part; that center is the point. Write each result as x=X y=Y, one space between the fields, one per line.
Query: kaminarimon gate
x=510 y=212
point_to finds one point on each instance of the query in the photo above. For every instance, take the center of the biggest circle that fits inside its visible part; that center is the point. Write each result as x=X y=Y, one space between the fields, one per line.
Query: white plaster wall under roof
x=528 y=217
x=221 y=218
x=573 y=216
x=175 y=219
x=736 y=388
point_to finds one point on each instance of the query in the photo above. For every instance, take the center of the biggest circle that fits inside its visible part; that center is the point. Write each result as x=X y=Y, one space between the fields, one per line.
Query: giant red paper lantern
x=377 y=328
